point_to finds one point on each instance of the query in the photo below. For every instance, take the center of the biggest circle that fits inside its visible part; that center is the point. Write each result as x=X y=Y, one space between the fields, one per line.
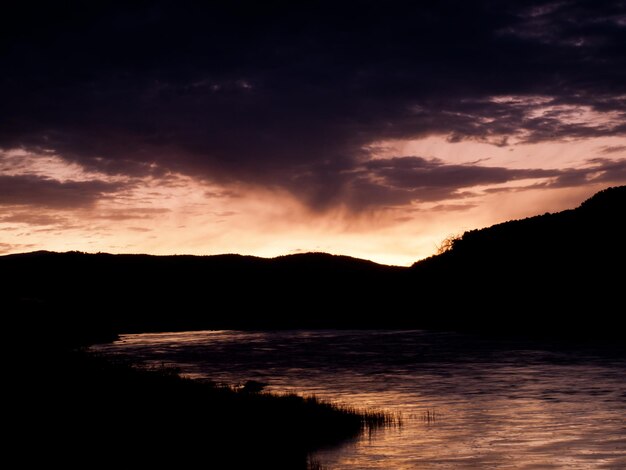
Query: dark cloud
x=289 y=94
x=604 y=170
x=401 y=180
x=417 y=172
x=54 y=194
x=614 y=149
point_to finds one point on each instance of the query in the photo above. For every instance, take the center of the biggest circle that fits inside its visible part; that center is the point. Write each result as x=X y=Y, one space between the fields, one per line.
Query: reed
x=127 y=409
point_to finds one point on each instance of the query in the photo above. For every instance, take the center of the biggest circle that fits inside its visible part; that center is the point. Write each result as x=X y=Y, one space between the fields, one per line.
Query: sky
x=371 y=129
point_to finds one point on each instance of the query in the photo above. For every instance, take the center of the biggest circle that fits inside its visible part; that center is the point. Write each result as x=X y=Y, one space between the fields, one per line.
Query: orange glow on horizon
x=187 y=216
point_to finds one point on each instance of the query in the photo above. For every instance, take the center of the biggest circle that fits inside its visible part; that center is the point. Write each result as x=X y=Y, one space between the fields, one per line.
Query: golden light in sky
x=280 y=132
x=179 y=214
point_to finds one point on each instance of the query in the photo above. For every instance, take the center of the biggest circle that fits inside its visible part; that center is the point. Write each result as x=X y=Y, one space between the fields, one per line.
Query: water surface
x=466 y=402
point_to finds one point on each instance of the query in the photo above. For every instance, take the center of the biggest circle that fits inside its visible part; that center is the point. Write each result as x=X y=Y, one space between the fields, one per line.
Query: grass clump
x=94 y=410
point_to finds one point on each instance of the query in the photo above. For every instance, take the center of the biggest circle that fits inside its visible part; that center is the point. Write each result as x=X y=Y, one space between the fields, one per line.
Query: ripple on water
x=497 y=405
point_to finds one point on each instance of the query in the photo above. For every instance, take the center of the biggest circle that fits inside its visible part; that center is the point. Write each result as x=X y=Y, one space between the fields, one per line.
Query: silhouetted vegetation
x=556 y=274
x=96 y=294
x=525 y=275
x=85 y=410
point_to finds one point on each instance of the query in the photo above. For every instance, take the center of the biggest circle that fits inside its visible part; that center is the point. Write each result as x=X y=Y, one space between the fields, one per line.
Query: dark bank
x=96 y=410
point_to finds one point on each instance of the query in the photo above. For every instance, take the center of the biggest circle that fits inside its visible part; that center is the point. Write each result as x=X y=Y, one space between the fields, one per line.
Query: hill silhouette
x=554 y=273
x=83 y=295
x=527 y=275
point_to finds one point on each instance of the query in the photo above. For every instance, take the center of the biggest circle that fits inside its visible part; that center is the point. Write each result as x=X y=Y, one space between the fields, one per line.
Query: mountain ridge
x=527 y=275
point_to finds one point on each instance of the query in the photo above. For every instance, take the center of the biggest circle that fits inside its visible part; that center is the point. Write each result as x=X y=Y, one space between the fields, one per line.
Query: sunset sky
x=372 y=129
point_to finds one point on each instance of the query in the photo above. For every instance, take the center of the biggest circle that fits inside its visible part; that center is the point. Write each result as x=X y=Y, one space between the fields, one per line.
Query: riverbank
x=91 y=409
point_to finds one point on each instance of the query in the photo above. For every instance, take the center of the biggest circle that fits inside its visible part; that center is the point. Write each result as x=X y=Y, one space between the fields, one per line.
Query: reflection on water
x=495 y=406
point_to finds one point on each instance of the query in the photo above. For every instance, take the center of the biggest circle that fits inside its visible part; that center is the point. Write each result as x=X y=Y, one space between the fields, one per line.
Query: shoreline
x=119 y=410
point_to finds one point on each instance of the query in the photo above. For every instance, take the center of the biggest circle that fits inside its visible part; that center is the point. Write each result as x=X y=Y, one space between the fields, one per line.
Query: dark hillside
x=554 y=272
x=103 y=292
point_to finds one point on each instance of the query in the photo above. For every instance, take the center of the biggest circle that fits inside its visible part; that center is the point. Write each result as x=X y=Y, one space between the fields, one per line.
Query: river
x=467 y=402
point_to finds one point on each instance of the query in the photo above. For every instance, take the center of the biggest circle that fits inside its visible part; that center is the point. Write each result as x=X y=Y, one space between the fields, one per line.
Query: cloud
x=604 y=170
x=408 y=179
x=290 y=95
x=49 y=193
x=452 y=207
x=402 y=180
x=418 y=172
x=32 y=218
x=132 y=213
x=614 y=149
x=14 y=247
